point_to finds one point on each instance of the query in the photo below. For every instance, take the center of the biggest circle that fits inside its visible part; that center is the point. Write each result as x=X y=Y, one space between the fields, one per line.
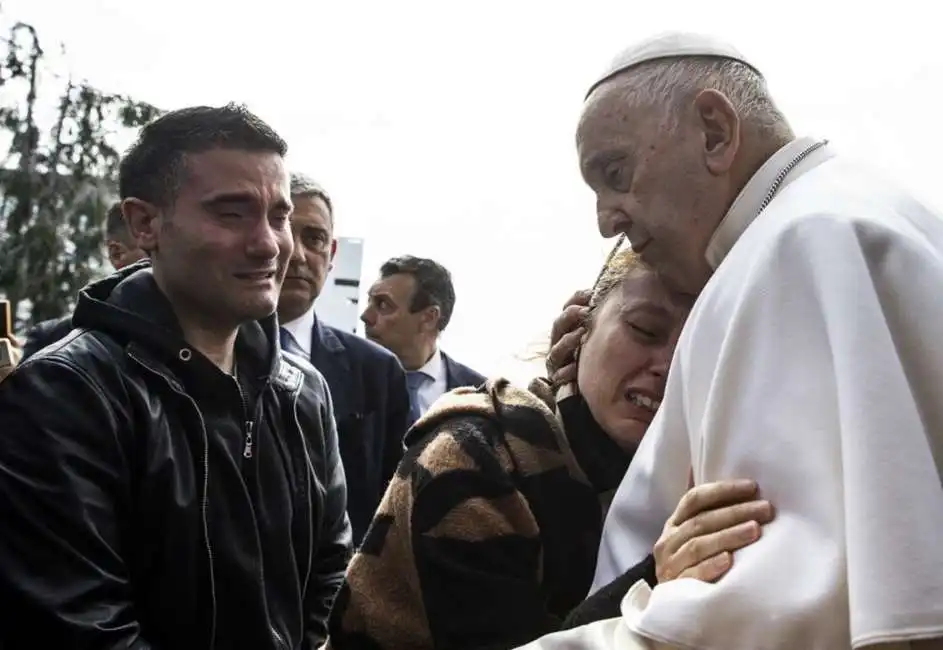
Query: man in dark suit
x=408 y=307
x=122 y=251
x=367 y=383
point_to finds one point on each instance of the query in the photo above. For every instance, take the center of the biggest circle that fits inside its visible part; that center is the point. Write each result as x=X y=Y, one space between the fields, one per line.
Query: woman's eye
x=647 y=333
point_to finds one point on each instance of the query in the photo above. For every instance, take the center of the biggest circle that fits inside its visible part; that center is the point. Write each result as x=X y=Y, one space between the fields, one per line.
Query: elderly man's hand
x=10 y=355
x=568 y=329
x=710 y=523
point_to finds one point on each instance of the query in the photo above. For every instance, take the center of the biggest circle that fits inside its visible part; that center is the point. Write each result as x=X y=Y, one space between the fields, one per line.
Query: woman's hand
x=565 y=338
x=710 y=522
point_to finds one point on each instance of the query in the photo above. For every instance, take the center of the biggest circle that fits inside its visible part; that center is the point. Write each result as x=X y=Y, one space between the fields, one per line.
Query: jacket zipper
x=204 y=504
x=247 y=453
x=248 y=424
x=278 y=637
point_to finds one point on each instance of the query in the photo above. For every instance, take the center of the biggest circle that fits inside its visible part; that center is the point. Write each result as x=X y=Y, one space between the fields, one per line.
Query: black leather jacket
x=149 y=500
x=45 y=333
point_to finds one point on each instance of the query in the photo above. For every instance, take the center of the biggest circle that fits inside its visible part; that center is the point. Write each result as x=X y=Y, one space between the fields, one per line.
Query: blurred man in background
x=122 y=251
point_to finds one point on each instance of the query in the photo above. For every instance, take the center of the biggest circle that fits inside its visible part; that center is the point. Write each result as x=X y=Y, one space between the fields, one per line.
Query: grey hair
x=303 y=185
x=679 y=79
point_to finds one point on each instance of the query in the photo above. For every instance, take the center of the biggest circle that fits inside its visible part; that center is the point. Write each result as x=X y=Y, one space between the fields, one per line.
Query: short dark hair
x=153 y=167
x=115 y=226
x=433 y=284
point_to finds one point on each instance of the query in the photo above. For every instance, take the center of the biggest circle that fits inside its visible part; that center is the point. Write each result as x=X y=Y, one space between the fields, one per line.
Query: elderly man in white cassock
x=812 y=363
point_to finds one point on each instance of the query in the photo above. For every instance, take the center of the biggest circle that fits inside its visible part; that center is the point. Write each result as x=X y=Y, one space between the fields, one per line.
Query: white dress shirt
x=301 y=329
x=430 y=391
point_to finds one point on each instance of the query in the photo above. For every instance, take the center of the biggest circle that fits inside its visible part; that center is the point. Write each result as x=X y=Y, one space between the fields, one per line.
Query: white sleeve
x=611 y=634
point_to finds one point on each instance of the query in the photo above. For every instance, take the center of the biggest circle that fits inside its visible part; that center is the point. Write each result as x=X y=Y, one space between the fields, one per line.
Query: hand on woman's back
x=711 y=522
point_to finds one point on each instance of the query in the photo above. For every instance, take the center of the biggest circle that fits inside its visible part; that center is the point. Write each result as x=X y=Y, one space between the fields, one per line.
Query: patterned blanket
x=487 y=535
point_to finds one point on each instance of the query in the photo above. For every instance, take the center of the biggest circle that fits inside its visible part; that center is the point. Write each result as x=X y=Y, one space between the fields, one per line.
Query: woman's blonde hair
x=619 y=264
x=617 y=267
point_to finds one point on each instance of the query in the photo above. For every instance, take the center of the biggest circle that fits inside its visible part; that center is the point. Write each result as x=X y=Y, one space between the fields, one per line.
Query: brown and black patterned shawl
x=488 y=534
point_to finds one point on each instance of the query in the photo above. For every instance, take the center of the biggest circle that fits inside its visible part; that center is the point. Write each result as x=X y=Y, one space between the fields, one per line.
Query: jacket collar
x=129 y=306
x=326 y=338
x=287 y=376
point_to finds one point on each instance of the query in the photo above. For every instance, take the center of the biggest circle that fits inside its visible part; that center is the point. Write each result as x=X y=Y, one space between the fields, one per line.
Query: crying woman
x=488 y=534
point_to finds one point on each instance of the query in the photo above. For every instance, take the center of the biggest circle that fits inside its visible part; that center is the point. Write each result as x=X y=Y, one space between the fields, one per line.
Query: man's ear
x=719 y=123
x=430 y=318
x=144 y=221
x=330 y=266
x=115 y=252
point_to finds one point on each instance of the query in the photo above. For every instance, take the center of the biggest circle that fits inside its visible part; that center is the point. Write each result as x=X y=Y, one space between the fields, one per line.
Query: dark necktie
x=415 y=379
x=289 y=344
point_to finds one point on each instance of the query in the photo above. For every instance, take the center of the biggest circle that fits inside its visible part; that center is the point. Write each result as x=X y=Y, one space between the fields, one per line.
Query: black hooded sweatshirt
x=150 y=500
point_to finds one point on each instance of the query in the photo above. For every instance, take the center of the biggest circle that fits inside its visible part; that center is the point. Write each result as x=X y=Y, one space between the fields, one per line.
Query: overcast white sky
x=445 y=129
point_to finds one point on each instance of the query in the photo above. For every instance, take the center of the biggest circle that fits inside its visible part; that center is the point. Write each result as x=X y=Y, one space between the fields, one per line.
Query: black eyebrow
x=306 y=228
x=229 y=198
x=378 y=296
x=241 y=198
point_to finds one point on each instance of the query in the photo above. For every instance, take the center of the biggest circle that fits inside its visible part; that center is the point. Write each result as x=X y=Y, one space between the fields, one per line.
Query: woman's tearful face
x=623 y=364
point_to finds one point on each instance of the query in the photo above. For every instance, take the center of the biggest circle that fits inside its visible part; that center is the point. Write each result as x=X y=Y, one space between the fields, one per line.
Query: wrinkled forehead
x=234 y=175
x=311 y=211
x=608 y=120
x=601 y=114
x=397 y=287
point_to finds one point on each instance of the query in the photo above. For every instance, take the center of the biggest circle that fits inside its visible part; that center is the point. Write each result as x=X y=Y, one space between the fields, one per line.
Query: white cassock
x=813 y=363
